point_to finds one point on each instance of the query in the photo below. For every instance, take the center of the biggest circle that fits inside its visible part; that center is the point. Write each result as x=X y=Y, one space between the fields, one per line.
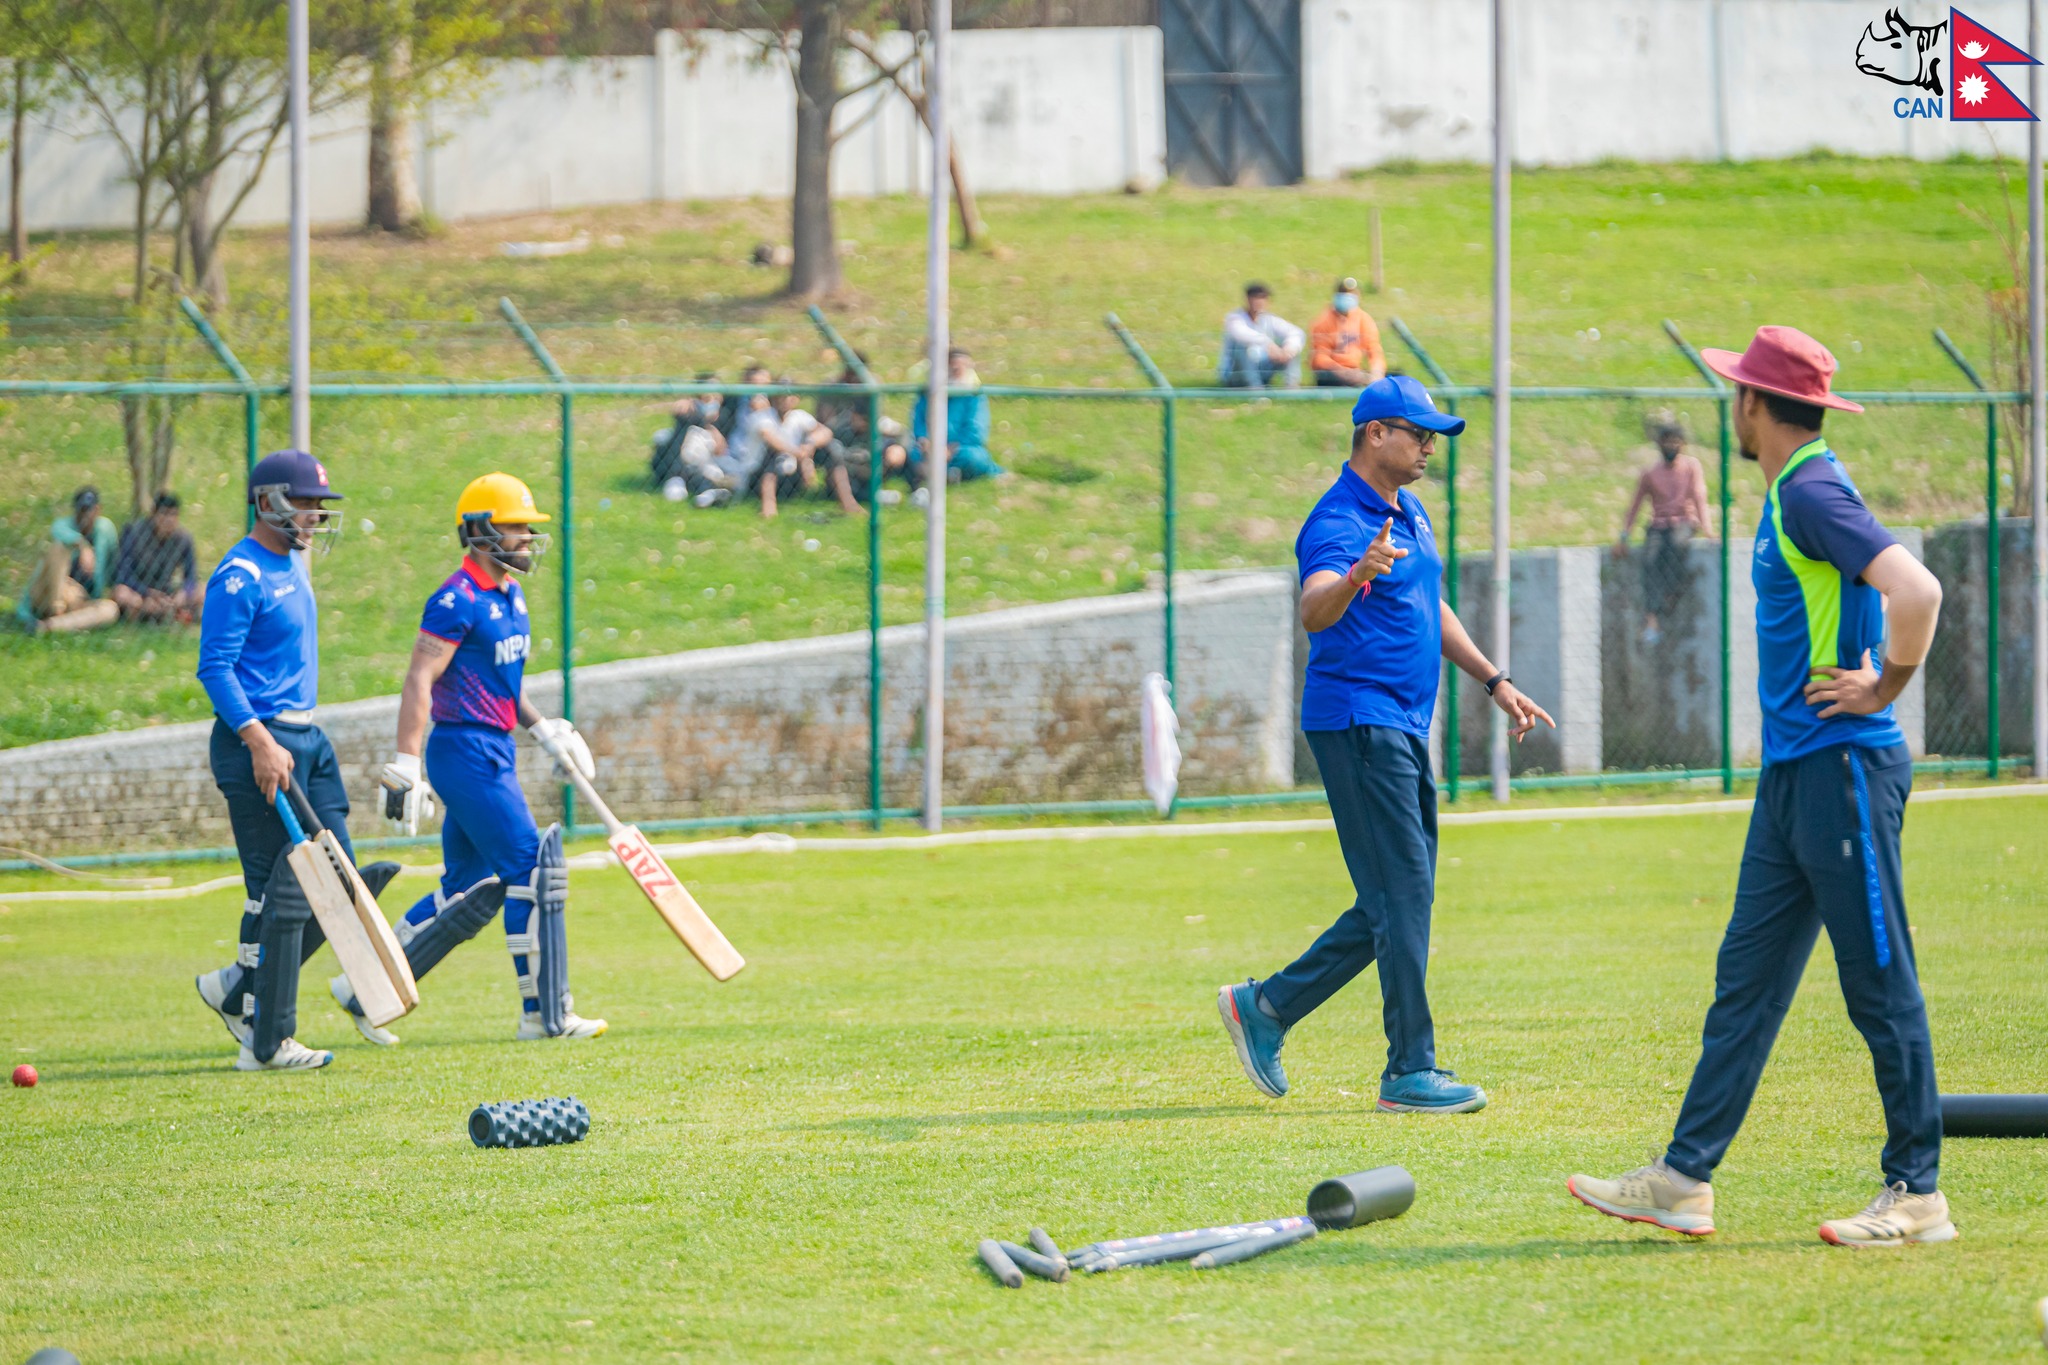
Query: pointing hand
x=1379 y=557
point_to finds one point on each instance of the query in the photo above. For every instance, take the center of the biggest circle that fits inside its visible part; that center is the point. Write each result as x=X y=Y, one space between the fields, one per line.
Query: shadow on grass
x=907 y=1127
x=1338 y=1248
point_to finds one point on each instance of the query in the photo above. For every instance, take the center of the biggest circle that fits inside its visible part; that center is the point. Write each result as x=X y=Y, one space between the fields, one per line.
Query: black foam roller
x=2015 y=1116
x=529 y=1123
x=1346 y=1201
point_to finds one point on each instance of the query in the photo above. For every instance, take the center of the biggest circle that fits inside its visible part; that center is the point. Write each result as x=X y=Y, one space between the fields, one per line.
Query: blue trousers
x=486 y=829
x=1823 y=850
x=259 y=832
x=1384 y=802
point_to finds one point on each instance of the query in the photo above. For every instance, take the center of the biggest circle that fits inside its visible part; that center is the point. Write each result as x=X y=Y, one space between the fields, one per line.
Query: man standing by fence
x=1823 y=843
x=1378 y=633
x=1675 y=487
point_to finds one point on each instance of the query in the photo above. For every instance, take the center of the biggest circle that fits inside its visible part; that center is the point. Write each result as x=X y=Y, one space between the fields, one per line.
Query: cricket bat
x=670 y=898
x=363 y=942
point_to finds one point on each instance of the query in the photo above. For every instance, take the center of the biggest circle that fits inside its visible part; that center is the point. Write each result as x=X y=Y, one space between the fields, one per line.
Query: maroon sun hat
x=1784 y=361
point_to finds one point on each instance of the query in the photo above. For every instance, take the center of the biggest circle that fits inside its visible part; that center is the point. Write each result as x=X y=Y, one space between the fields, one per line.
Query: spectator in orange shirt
x=1345 y=343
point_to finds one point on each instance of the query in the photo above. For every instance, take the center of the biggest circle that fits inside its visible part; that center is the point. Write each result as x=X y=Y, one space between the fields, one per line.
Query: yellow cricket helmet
x=501 y=498
x=491 y=503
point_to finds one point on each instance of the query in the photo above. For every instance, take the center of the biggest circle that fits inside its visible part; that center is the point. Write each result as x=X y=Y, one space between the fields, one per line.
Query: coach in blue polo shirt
x=1378 y=630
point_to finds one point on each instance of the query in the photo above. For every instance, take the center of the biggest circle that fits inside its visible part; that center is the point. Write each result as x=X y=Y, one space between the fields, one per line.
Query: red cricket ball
x=25 y=1075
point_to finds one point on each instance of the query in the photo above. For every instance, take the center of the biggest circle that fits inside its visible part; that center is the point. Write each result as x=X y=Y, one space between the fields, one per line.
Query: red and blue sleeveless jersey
x=488 y=627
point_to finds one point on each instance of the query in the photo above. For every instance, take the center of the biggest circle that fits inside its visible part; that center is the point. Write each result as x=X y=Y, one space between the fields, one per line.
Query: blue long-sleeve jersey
x=259 y=639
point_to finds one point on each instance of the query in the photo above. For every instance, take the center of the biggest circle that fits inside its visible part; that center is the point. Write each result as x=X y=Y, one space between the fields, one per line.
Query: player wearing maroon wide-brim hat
x=1784 y=361
x=1832 y=590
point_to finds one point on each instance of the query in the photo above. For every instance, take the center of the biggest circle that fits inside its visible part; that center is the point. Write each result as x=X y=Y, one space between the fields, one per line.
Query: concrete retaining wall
x=1043 y=704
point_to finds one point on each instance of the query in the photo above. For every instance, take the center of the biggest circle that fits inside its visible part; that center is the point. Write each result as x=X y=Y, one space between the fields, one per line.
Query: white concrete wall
x=1646 y=80
x=1041 y=111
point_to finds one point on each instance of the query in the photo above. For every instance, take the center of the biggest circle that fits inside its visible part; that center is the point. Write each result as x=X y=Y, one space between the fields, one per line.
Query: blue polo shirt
x=259 y=635
x=1813 y=607
x=1379 y=664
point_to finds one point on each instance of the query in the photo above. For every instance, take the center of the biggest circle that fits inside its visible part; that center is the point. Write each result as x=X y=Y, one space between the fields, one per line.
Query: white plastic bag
x=1160 y=728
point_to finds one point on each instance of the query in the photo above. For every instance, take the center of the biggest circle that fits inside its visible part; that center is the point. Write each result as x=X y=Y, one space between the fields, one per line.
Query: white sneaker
x=292 y=1055
x=345 y=996
x=1649 y=1194
x=574 y=1025
x=213 y=989
x=1893 y=1219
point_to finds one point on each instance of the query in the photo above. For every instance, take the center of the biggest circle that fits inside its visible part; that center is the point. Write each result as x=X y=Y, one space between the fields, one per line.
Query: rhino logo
x=1903 y=53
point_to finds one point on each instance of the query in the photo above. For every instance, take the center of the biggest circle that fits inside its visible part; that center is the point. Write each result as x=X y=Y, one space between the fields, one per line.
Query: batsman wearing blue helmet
x=259 y=660
x=468 y=672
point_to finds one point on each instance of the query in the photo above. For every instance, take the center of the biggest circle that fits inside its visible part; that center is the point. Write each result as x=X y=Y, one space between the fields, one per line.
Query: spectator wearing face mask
x=1345 y=343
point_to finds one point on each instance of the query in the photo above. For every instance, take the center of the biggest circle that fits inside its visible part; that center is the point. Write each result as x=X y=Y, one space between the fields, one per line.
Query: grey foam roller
x=529 y=1123
x=1035 y=1263
x=1349 y=1201
x=1244 y=1248
x=999 y=1264
x=1046 y=1246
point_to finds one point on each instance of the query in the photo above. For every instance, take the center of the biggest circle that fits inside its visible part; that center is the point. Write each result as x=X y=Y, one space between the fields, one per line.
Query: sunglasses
x=1423 y=438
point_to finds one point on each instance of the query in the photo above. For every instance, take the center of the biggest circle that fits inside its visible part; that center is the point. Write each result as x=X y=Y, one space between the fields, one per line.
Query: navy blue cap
x=301 y=474
x=1399 y=396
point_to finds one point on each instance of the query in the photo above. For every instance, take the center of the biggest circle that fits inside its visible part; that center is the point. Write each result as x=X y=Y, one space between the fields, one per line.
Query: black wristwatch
x=1495 y=681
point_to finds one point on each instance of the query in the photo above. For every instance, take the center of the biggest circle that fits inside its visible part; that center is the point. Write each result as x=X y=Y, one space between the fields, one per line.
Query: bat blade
x=674 y=903
x=335 y=909
x=396 y=968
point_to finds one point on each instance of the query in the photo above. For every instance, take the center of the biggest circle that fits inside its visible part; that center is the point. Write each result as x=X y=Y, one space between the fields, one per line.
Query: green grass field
x=1869 y=256
x=934 y=1046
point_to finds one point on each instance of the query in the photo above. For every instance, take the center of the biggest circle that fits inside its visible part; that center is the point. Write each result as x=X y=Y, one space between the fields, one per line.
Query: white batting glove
x=565 y=746
x=407 y=797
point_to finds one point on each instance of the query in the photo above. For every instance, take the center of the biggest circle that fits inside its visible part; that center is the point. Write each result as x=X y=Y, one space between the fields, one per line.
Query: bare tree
x=972 y=230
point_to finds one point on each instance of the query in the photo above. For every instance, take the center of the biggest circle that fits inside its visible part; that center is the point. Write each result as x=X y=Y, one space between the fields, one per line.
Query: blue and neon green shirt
x=1813 y=607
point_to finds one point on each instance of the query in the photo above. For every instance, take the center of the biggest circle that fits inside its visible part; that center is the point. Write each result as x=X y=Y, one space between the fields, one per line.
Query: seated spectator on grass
x=156 y=575
x=848 y=418
x=967 y=426
x=820 y=458
x=69 y=590
x=1258 y=346
x=695 y=438
x=738 y=469
x=1344 y=343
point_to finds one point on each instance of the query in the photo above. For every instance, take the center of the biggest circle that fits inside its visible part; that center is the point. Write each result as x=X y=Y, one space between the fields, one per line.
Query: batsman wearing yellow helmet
x=468 y=675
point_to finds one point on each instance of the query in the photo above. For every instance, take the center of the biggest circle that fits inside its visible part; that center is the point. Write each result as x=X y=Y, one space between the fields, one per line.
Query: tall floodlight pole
x=1503 y=138
x=936 y=456
x=2037 y=394
x=301 y=328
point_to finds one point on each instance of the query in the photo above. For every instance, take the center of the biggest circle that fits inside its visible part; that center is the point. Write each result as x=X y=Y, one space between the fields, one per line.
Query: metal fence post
x=546 y=361
x=1992 y=739
x=1168 y=476
x=251 y=411
x=1722 y=395
x=851 y=359
x=1453 y=756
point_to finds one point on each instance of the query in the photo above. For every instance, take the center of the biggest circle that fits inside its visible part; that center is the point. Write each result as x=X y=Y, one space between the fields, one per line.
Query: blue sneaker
x=1256 y=1034
x=1430 y=1092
